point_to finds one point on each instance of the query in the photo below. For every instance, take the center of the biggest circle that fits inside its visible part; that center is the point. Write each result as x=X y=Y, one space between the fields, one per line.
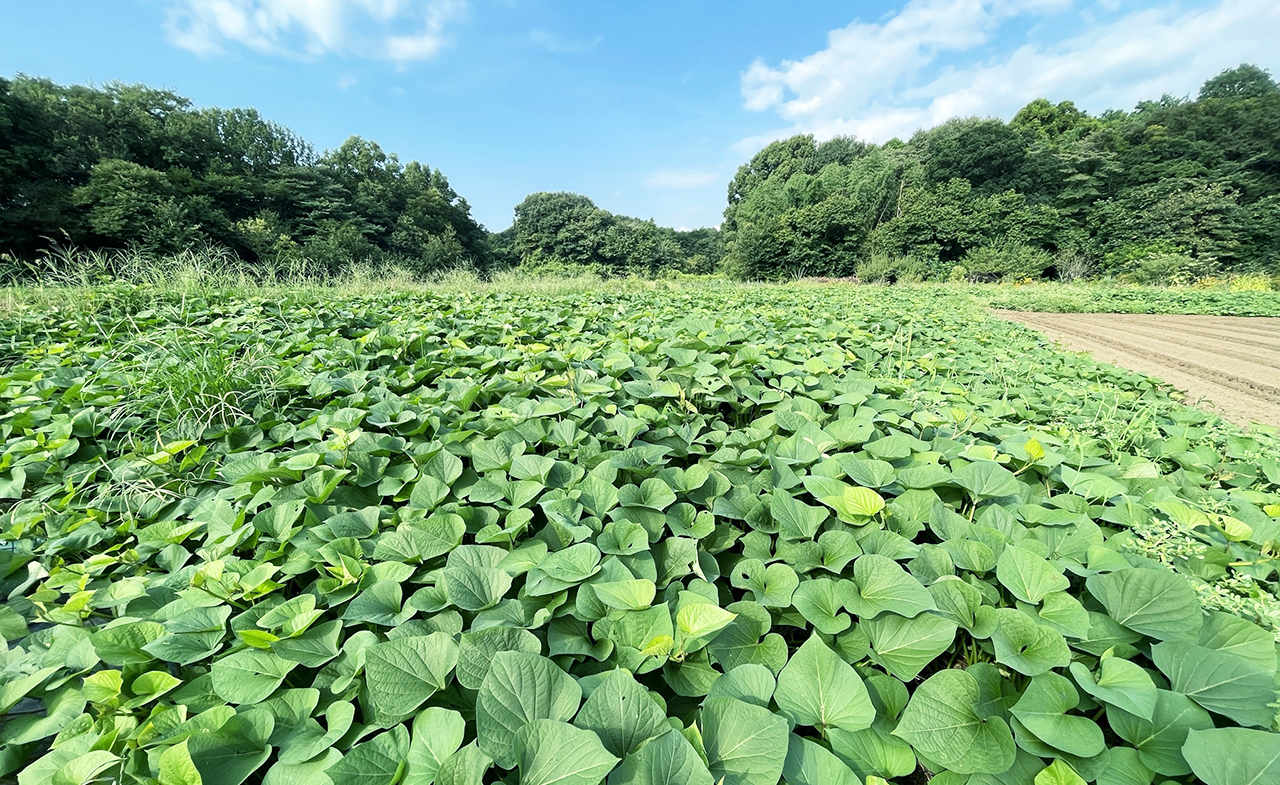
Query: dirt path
x=1228 y=364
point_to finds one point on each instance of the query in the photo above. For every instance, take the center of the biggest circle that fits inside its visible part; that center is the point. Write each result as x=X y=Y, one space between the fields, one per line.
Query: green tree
x=129 y=165
x=992 y=156
x=1197 y=217
x=1052 y=121
x=1243 y=81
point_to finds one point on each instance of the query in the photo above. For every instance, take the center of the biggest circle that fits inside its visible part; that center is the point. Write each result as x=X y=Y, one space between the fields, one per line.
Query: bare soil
x=1227 y=364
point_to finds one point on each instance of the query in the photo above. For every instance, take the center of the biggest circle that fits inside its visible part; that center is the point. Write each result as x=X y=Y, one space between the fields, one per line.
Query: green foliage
x=1111 y=298
x=882 y=268
x=129 y=166
x=1197 y=176
x=560 y=233
x=1245 y=81
x=740 y=535
x=1006 y=259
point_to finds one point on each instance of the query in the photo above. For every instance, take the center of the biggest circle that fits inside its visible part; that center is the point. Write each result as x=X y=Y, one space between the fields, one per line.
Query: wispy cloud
x=313 y=28
x=545 y=39
x=937 y=59
x=682 y=178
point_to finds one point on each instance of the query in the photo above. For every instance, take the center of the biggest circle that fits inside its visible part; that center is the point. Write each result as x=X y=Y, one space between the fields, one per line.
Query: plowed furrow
x=1217 y=325
x=1264 y=355
x=1232 y=362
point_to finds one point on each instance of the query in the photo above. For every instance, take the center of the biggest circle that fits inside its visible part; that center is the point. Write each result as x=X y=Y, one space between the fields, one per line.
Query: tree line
x=1176 y=189
x=132 y=167
x=128 y=166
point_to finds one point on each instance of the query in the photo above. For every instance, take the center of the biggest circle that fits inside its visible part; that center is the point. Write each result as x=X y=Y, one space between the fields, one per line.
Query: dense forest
x=559 y=232
x=127 y=166
x=1175 y=190
x=130 y=166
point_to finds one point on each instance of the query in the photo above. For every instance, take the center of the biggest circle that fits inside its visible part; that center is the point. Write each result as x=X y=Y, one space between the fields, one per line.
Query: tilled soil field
x=1229 y=364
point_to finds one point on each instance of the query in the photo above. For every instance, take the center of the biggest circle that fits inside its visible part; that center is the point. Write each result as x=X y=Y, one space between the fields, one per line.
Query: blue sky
x=648 y=108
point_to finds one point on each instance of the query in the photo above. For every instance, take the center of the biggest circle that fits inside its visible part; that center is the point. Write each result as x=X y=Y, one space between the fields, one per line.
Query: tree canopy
x=128 y=165
x=560 y=231
x=1176 y=189
x=1173 y=188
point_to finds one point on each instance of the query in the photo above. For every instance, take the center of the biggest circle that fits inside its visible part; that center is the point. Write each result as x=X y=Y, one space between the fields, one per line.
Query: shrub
x=1006 y=259
x=1252 y=282
x=884 y=268
x=1072 y=264
x=1162 y=268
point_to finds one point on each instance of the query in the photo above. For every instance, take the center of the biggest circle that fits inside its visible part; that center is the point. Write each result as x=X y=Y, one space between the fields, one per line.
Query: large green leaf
x=873 y=751
x=467 y=766
x=176 y=766
x=745 y=744
x=1159 y=740
x=1064 y=613
x=520 y=688
x=1153 y=602
x=231 y=753
x=628 y=595
x=556 y=753
x=852 y=504
x=820 y=601
x=1233 y=756
x=622 y=714
x=563 y=569
x=772 y=586
x=1125 y=767
x=1059 y=772
x=810 y=763
x=1043 y=710
x=477 y=647
x=311 y=772
x=89 y=767
x=818 y=688
x=310 y=739
x=473 y=579
x=985 y=480
x=940 y=723
x=905 y=646
x=1119 y=683
x=249 y=676
x=962 y=603
x=378 y=761
x=666 y=760
x=1027 y=576
x=880 y=585
x=1223 y=683
x=1027 y=646
x=796 y=520
x=1239 y=637
x=437 y=734
x=741 y=642
x=698 y=623
x=402 y=673
x=751 y=683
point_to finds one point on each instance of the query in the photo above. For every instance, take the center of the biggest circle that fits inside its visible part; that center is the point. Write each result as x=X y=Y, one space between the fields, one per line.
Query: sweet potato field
x=815 y=535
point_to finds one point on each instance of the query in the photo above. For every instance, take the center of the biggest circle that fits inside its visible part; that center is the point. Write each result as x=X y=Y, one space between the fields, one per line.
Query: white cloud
x=682 y=178
x=347 y=82
x=886 y=79
x=312 y=28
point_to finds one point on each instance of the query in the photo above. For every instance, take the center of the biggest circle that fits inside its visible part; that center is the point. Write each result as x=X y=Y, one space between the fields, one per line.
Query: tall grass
x=81 y=279
x=185 y=379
